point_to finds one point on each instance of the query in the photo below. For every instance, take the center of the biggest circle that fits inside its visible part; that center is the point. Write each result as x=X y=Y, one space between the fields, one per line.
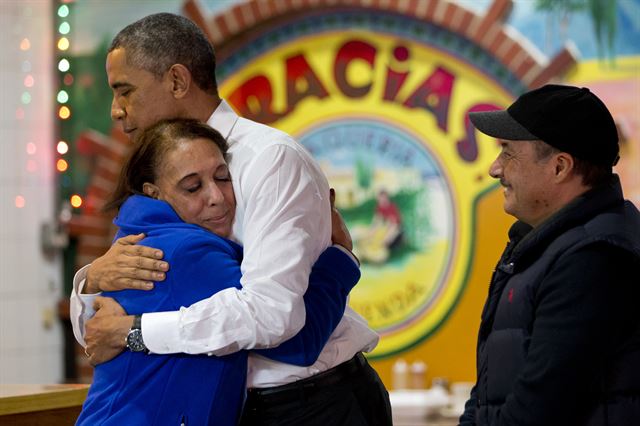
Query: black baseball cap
x=571 y=119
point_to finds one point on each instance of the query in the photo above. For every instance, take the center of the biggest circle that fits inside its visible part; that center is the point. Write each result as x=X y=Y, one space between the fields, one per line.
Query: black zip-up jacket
x=559 y=339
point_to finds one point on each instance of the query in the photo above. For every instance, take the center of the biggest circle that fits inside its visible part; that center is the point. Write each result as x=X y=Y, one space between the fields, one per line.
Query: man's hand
x=339 y=232
x=126 y=266
x=106 y=332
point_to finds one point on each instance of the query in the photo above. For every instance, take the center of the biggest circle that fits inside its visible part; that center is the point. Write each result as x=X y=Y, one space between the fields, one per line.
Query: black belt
x=306 y=387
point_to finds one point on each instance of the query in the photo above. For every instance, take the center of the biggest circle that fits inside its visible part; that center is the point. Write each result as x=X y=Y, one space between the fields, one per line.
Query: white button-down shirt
x=283 y=221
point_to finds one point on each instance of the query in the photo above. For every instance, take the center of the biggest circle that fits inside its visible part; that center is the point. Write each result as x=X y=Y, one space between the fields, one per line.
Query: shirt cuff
x=87 y=304
x=348 y=253
x=161 y=332
x=80 y=278
x=81 y=305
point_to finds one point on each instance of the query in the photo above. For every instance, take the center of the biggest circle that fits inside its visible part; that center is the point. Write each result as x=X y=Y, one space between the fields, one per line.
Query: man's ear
x=180 y=79
x=563 y=166
x=150 y=190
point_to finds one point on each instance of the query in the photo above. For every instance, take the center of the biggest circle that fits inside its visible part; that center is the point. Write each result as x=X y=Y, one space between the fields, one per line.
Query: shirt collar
x=223 y=119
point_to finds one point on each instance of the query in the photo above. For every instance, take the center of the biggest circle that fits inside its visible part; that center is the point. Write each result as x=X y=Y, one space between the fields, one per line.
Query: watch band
x=134 y=340
x=137 y=323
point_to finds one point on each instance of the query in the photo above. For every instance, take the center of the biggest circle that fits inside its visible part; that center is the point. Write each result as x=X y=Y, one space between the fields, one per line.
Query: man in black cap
x=559 y=339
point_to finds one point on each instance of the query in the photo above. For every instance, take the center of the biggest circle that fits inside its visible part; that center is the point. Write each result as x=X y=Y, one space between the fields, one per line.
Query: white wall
x=30 y=284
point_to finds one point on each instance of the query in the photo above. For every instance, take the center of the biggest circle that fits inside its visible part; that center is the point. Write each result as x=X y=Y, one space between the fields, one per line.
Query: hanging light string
x=63 y=43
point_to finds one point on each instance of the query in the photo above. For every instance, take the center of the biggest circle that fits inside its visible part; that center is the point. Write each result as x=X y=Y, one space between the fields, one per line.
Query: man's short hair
x=156 y=42
x=592 y=174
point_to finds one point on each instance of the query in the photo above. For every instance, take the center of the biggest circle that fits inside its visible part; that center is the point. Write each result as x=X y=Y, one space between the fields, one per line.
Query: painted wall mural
x=381 y=101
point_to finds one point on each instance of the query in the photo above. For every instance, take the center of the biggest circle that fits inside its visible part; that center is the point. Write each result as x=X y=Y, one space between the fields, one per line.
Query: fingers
x=129 y=245
x=133 y=284
x=96 y=304
x=101 y=355
x=141 y=272
x=126 y=265
x=139 y=251
x=90 y=352
x=99 y=302
x=97 y=355
x=144 y=258
x=130 y=239
x=146 y=264
x=147 y=252
x=120 y=278
x=92 y=361
x=106 y=306
x=141 y=268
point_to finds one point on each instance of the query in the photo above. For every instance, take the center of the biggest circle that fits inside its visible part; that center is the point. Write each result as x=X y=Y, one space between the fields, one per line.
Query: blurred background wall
x=31 y=344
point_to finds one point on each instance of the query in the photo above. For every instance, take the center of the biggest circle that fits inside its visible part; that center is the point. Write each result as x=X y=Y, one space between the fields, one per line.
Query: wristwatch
x=134 y=338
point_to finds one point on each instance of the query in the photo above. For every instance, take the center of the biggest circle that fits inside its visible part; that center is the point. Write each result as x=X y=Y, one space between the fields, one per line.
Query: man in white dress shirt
x=161 y=67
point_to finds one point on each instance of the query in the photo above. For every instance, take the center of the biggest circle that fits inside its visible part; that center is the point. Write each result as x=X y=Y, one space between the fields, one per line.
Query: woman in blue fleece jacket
x=176 y=189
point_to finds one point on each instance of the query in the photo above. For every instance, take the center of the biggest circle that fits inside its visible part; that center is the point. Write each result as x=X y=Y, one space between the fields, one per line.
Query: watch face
x=135 y=342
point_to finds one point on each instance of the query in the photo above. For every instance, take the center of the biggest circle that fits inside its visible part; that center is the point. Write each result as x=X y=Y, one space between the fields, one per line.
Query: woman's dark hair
x=149 y=149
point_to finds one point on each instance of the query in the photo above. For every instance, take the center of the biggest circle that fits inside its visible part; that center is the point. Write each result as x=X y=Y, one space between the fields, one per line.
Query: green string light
x=63 y=97
x=64 y=28
x=63 y=11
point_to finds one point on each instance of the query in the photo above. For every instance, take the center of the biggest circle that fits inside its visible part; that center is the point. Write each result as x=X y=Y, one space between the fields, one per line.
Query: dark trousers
x=350 y=394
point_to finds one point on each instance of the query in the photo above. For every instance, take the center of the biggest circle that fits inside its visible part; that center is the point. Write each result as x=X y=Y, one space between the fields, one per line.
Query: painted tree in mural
x=603 y=15
x=364 y=173
x=561 y=9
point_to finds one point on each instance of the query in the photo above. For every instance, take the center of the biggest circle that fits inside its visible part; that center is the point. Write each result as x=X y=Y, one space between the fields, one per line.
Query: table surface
x=22 y=398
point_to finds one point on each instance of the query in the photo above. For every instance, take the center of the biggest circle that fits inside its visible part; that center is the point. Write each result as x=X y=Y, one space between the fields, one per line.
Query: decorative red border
x=488 y=31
